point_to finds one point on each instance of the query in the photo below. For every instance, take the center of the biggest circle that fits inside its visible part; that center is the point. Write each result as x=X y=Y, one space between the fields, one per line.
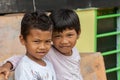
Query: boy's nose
x=64 y=40
x=42 y=46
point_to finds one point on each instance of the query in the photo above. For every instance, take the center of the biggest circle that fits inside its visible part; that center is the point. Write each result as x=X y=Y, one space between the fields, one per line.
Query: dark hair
x=35 y=20
x=65 y=19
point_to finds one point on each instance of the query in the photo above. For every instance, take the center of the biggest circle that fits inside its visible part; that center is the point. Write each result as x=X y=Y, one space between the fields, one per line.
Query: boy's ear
x=22 y=40
x=78 y=35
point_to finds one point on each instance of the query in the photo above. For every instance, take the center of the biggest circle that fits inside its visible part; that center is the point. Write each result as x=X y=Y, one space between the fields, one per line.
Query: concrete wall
x=9 y=36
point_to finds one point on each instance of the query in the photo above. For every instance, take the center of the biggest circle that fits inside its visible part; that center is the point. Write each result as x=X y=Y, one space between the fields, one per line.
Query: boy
x=63 y=54
x=36 y=34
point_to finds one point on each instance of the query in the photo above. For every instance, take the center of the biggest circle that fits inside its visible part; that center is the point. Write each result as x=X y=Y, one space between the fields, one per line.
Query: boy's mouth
x=41 y=53
x=64 y=46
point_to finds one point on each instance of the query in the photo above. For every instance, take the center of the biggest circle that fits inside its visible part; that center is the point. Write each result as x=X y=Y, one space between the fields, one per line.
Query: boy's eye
x=36 y=41
x=57 y=36
x=70 y=35
x=48 y=41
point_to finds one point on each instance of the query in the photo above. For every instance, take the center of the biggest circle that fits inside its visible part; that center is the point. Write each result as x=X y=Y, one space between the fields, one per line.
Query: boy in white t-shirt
x=35 y=35
x=63 y=54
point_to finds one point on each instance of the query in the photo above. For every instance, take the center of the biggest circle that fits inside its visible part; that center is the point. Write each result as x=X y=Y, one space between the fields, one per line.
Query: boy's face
x=37 y=43
x=65 y=41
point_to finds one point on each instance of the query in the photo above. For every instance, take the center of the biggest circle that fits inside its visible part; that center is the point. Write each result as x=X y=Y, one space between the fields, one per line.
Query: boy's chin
x=66 y=53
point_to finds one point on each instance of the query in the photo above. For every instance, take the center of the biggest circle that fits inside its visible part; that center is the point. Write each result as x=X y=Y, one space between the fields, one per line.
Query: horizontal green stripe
x=108 y=34
x=113 y=69
x=110 y=52
x=108 y=16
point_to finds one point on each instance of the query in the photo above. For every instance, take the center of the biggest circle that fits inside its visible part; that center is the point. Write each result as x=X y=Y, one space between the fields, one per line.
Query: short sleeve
x=14 y=60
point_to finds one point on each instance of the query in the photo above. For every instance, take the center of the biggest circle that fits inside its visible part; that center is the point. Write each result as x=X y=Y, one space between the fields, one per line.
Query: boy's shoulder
x=24 y=60
x=75 y=50
x=23 y=64
x=47 y=62
x=52 y=50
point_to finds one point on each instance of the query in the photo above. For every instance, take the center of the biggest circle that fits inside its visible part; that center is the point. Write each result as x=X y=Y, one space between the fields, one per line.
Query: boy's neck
x=39 y=61
x=61 y=52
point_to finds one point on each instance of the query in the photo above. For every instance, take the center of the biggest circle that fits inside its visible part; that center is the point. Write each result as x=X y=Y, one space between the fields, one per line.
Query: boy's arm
x=5 y=69
x=14 y=61
x=10 y=64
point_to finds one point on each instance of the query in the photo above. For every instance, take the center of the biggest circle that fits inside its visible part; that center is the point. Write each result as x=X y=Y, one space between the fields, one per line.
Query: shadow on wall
x=9 y=36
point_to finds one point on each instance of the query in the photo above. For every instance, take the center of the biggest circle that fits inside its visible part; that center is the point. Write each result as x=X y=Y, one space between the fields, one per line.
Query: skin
x=65 y=41
x=37 y=44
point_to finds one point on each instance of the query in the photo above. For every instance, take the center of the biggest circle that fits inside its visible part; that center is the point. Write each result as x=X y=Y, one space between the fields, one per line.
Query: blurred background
x=99 y=19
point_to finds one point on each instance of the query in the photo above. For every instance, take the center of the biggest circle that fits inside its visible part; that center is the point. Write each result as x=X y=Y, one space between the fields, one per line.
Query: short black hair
x=65 y=19
x=35 y=20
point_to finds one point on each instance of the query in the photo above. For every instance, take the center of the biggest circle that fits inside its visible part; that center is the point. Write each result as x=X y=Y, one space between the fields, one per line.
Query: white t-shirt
x=66 y=67
x=28 y=69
